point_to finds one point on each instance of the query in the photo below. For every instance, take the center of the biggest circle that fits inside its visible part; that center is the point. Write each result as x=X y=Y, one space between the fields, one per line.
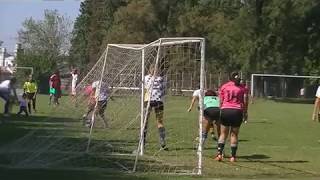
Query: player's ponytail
x=235 y=77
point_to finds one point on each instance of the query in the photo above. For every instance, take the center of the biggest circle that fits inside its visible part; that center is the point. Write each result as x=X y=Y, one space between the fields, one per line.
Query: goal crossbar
x=174 y=41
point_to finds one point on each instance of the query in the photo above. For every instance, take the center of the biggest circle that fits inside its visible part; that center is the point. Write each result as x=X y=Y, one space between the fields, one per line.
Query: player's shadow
x=262 y=158
x=243 y=140
x=254 y=157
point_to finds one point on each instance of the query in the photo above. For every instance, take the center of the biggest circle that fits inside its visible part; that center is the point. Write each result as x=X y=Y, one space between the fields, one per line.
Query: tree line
x=254 y=36
x=265 y=36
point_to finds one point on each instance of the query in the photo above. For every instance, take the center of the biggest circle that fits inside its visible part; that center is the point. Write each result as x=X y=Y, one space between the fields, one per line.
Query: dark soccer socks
x=234 y=148
x=220 y=147
x=162 y=134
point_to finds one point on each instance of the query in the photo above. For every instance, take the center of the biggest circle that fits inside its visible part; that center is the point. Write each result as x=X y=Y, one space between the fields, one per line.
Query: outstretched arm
x=194 y=98
x=316 y=107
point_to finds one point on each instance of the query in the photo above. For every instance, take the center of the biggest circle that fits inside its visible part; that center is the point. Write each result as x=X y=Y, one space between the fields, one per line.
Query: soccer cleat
x=164 y=147
x=219 y=157
x=232 y=159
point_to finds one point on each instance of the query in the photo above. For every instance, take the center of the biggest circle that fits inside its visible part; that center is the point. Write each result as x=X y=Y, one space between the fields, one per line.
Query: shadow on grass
x=30 y=142
x=47 y=174
x=262 y=159
x=294 y=100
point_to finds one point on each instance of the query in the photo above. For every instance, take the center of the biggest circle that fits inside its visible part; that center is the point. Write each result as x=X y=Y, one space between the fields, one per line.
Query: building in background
x=8 y=59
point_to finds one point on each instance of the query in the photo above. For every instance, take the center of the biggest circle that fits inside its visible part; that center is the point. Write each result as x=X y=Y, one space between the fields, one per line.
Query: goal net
x=284 y=86
x=131 y=141
x=133 y=134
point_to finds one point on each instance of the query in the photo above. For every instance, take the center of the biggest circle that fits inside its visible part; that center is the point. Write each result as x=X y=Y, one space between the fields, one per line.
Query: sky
x=14 y=12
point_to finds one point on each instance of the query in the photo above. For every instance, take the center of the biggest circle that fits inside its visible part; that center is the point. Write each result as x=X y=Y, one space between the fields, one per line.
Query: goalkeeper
x=154 y=86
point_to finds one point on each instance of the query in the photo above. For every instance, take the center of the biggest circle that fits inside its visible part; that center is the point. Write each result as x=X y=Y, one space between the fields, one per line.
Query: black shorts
x=30 y=96
x=101 y=106
x=157 y=105
x=212 y=114
x=231 y=117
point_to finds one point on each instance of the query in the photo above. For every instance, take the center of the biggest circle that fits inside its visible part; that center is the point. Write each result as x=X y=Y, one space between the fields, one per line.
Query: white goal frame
x=275 y=75
x=159 y=43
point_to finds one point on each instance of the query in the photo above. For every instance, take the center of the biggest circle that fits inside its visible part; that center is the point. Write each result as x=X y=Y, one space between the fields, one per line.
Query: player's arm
x=221 y=95
x=24 y=87
x=36 y=92
x=194 y=98
x=245 y=105
x=316 y=105
x=316 y=109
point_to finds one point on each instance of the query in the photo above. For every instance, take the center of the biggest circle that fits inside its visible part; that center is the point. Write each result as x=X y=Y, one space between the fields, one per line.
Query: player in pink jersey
x=233 y=107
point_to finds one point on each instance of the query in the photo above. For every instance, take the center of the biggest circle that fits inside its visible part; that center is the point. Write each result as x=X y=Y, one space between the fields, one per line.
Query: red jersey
x=232 y=96
x=55 y=81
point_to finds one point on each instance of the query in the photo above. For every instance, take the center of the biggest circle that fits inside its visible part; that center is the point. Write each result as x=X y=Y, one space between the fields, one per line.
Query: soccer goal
x=284 y=86
x=122 y=68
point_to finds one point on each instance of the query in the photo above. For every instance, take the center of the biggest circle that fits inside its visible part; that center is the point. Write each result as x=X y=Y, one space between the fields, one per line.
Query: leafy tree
x=46 y=43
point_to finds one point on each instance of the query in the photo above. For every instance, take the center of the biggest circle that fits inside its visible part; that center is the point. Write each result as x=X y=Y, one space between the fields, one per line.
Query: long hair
x=210 y=93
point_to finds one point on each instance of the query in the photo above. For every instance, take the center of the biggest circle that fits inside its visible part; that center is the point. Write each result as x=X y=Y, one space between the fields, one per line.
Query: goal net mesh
x=66 y=141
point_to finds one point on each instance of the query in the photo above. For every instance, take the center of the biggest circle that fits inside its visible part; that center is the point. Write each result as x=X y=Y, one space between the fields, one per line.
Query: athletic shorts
x=52 y=91
x=157 y=105
x=231 y=117
x=30 y=96
x=212 y=114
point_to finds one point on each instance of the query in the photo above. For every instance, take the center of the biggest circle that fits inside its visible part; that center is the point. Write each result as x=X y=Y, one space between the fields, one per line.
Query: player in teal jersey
x=211 y=113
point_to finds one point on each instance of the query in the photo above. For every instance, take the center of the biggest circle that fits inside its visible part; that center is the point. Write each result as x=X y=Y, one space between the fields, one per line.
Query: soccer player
x=154 y=86
x=30 y=88
x=233 y=107
x=98 y=102
x=211 y=113
x=6 y=87
x=315 y=115
x=74 y=82
x=55 y=87
x=195 y=97
x=246 y=96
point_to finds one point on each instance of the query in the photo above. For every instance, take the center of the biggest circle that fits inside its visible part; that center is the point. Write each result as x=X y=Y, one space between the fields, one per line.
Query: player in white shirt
x=195 y=97
x=74 y=82
x=315 y=115
x=98 y=100
x=154 y=86
x=6 y=88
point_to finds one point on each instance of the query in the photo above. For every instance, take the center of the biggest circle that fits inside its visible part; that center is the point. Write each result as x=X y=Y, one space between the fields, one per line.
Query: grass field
x=279 y=142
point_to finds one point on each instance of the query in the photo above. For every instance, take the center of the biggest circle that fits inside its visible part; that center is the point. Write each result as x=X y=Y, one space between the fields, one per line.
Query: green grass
x=280 y=141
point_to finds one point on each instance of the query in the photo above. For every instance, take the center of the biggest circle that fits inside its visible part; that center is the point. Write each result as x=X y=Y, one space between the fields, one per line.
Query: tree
x=46 y=43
